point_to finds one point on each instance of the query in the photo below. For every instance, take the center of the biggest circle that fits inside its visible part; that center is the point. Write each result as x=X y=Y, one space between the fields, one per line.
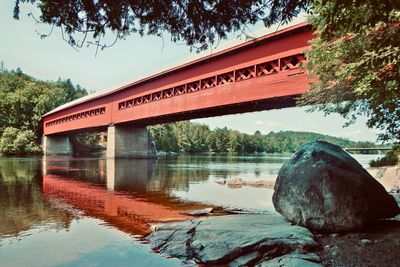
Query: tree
x=212 y=141
x=354 y=61
x=72 y=92
x=18 y=142
x=259 y=145
x=181 y=131
x=23 y=101
x=236 y=144
x=199 y=136
x=221 y=139
x=195 y=22
x=165 y=137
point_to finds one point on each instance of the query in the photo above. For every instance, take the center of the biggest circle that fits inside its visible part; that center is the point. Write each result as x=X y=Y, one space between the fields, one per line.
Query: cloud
x=273 y=124
x=352 y=133
x=258 y=122
x=359 y=135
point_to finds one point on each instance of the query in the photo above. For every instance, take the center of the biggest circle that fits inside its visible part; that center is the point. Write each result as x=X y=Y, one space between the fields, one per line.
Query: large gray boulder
x=324 y=188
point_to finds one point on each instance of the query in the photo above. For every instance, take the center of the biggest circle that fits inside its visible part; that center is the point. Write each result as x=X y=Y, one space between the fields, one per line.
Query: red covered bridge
x=261 y=74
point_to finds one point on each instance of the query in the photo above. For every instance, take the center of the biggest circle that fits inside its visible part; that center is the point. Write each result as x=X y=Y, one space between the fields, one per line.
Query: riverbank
x=388 y=176
x=376 y=245
x=270 y=240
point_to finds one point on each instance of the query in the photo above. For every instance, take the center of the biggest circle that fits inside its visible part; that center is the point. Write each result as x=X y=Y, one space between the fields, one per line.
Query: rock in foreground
x=236 y=240
x=324 y=188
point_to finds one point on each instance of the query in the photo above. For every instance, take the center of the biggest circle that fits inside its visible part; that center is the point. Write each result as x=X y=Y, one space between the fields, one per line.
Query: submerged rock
x=236 y=240
x=235 y=182
x=201 y=212
x=324 y=188
x=238 y=183
x=220 y=181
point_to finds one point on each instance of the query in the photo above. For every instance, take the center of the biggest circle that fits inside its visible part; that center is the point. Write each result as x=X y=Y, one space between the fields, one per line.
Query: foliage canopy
x=197 y=23
x=18 y=142
x=23 y=101
x=390 y=159
x=354 y=61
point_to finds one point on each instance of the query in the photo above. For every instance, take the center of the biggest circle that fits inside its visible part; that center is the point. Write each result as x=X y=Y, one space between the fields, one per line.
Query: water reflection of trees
x=176 y=174
x=22 y=204
x=92 y=170
x=229 y=165
x=156 y=176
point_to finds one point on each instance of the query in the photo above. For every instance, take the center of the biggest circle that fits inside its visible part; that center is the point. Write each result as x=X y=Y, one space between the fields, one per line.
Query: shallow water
x=63 y=211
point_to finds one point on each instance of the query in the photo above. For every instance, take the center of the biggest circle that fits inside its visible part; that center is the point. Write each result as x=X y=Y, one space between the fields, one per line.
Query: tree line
x=190 y=137
x=23 y=101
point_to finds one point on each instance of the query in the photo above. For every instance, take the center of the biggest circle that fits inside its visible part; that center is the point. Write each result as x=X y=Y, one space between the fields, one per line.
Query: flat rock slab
x=237 y=240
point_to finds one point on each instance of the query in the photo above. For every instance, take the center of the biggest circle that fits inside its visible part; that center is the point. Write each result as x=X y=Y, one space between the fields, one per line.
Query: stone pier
x=128 y=142
x=56 y=145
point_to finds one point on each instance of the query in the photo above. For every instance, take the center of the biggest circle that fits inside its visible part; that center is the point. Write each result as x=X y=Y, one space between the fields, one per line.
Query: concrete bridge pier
x=56 y=145
x=128 y=142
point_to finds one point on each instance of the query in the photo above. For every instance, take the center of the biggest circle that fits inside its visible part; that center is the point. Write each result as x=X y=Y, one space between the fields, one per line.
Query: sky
x=136 y=57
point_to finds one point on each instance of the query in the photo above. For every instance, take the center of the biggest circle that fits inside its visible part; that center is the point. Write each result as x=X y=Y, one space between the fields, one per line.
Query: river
x=62 y=211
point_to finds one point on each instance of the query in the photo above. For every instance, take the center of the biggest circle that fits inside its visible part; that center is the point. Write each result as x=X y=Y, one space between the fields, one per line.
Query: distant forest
x=23 y=100
x=192 y=137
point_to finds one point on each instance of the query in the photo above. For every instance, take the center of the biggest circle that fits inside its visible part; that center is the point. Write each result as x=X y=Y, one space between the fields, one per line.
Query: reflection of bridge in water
x=122 y=201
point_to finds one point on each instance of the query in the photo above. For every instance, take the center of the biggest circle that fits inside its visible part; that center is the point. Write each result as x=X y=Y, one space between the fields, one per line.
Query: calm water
x=93 y=212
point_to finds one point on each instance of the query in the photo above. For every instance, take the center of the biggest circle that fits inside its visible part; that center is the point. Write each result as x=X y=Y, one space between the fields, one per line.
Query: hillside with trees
x=186 y=136
x=23 y=100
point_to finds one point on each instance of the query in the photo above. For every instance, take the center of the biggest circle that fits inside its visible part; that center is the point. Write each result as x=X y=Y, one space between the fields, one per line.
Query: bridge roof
x=273 y=35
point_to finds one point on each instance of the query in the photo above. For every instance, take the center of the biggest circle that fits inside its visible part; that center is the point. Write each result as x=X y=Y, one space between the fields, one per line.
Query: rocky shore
x=376 y=245
x=388 y=176
x=270 y=240
x=237 y=240
x=332 y=213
